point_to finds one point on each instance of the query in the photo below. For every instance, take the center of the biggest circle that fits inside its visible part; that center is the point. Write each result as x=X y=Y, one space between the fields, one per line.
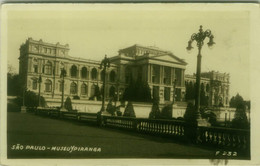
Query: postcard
x=129 y=84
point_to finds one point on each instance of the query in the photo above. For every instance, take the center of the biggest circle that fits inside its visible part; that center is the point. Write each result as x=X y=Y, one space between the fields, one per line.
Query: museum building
x=162 y=70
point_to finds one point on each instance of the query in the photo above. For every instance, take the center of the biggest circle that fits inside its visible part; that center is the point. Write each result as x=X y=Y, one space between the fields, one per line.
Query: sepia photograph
x=127 y=81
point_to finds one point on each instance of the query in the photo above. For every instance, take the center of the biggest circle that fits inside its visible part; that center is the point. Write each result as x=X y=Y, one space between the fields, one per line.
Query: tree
x=190 y=118
x=13 y=82
x=68 y=104
x=155 y=112
x=203 y=98
x=190 y=115
x=110 y=108
x=235 y=101
x=240 y=120
x=31 y=99
x=167 y=112
x=137 y=91
x=97 y=92
x=129 y=110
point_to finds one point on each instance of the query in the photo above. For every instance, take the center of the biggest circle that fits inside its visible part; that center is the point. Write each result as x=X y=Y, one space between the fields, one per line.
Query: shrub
x=180 y=118
x=42 y=102
x=155 y=112
x=31 y=99
x=137 y=91
x=110 y=108
x=12 y=107
x=118 y=112
x=129 y=110
x=240 y=120
x=97 y=94
x=190 y=115
x=76 y=97
x=68 y=104
x=190 y=118
x=167 y=112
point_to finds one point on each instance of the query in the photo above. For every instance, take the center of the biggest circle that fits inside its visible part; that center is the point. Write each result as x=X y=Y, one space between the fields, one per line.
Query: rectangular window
x=156 y=92
x=167 y=92
x=34 y=84
x=48 y=69
x=48 y=87
x=178 y=77
x=167 y=76
x=35 y=68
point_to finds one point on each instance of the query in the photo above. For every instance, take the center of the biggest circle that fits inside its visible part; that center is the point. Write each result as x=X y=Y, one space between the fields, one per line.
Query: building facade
x=82 y=75
x=162 y=70
x=214 y=87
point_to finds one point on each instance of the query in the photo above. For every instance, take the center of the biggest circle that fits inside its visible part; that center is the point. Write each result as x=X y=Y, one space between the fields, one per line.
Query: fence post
x=134 y=124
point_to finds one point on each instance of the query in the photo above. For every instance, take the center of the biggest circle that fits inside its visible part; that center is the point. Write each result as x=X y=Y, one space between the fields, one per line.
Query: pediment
x=168 y=58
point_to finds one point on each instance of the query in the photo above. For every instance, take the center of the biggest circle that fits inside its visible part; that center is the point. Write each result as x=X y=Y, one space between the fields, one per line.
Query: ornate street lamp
x=39 y=95
x=62 y=75
x=105 y=63
x=199 y=38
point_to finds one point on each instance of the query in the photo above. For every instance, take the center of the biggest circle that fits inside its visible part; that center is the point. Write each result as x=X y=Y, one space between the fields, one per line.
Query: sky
x=95 y=30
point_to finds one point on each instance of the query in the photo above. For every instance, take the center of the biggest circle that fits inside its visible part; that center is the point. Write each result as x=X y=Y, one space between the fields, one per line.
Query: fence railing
x=218 y=137
x=225 y=137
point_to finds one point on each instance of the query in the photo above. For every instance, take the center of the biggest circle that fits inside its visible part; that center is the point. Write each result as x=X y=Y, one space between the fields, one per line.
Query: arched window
x=112 y=76
x=35 y=65
x=202 y=88
x=102 y=75
x=84 y=89
x=61 y=67
x=94 y=74
x=73 y=71
x=92 y=90
x=207 y=88
x=48 y=86
x=84 y=72
x=34 y=84
x=112 y=91
x=73 y=88
x=48 y=68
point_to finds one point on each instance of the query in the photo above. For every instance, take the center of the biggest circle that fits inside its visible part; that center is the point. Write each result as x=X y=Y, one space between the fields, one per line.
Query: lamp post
x=199 y=38
x=117 y=92
x=105 y=63
x=62 y=75
x=39 y=95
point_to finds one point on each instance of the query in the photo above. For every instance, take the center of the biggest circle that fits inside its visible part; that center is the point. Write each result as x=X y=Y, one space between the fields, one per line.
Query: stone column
x=148 y=73
x=171 y=94
x=89 y=89
x=161 y=75
x=78 y=71
x=39 y=66
x=99 y=74
x=161 y=94
x=67 y=68
x=79 y=88
x=173 y=75
x=57 y=68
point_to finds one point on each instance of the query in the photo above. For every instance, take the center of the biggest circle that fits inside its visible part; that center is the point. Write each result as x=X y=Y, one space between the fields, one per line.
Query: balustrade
x=224 y=138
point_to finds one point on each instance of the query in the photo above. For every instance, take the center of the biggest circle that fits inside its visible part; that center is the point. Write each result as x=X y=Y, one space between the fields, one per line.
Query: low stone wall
x=142 y=110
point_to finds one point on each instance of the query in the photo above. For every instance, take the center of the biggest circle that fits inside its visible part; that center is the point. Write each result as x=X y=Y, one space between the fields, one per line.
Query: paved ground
x=34 y=130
